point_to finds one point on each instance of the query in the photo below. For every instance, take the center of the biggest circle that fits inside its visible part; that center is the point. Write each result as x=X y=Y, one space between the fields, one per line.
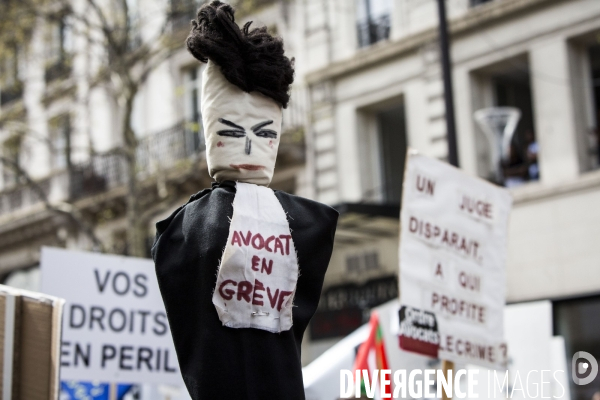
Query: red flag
x=374 y=345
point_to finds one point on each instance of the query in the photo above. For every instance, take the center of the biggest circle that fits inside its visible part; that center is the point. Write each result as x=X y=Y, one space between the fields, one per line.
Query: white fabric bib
x=257 y=277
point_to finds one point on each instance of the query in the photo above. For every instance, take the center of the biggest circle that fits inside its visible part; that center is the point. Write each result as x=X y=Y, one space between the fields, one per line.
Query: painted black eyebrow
x=231 y=124
x=261 y=124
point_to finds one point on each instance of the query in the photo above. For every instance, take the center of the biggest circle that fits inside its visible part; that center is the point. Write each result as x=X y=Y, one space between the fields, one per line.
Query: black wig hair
x=253 y=60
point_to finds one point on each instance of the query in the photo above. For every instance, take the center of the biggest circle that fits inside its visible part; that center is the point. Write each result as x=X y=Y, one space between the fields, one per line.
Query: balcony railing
x=21 y=197
x=168 y=148
x=59 y=70
x=182 y=21
x=101 y=173
x=160 y=151
x=478 y=2
x=373 y=30
x=182 y=13
x=10 y=93
x=164 y=150
x=178 y=146
x=294 y=116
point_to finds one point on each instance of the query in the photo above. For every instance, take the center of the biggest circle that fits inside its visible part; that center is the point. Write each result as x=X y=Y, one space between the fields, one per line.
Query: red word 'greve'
x=272 y=243
x=252 y=293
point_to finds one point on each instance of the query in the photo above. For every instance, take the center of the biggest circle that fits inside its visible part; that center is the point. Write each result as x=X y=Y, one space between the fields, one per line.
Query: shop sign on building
x=344 y=308
x=115 y=327
x=453 y=243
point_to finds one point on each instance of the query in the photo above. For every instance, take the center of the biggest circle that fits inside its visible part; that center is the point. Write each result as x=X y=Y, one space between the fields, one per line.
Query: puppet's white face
x=242 y=130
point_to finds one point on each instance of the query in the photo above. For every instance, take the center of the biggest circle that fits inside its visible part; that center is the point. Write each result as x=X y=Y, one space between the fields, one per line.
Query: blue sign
x=72 y=390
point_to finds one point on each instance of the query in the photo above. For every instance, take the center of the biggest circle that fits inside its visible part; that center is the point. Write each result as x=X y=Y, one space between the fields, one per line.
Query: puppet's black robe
x=226 y=363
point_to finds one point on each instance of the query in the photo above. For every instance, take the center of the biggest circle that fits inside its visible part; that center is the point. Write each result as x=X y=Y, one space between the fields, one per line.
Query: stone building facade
x=368 y=86
x=376 y=88
x=61 y=130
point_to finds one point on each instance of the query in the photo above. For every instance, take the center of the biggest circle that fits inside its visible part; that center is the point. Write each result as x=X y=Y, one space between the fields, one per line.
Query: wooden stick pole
x=112 y=394
x=447 y=366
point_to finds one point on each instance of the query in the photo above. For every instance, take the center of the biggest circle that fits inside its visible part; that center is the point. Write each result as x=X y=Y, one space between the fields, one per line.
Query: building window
x=391 y=126
x=11 y=87
x=576 y=320
x=594 y=134
x=362 y=263
x=192 y=94
x=182 y=12
x=58 y=58
x=344 y=308
x=191 y=90
x=244 y=8
x=382 y=150
x=373 y=21
x=478 y=2
x=508 y=84
x=134 y=29
x=118 y=243
x=60 y=136
x=513 y=89
x=11 y=152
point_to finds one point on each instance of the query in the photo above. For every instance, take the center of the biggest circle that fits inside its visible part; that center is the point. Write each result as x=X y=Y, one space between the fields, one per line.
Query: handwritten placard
x=452 y=259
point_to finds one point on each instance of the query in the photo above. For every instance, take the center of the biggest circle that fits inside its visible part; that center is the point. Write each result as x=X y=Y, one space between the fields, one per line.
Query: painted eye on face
x=237 y=132
x=264 y=133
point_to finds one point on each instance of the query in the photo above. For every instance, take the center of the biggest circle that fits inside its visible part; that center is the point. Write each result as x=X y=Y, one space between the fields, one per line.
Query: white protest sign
x=453 y=243
x=115 y=327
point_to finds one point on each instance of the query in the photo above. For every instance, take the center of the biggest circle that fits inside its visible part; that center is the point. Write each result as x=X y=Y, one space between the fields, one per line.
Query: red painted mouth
x=249 y=167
